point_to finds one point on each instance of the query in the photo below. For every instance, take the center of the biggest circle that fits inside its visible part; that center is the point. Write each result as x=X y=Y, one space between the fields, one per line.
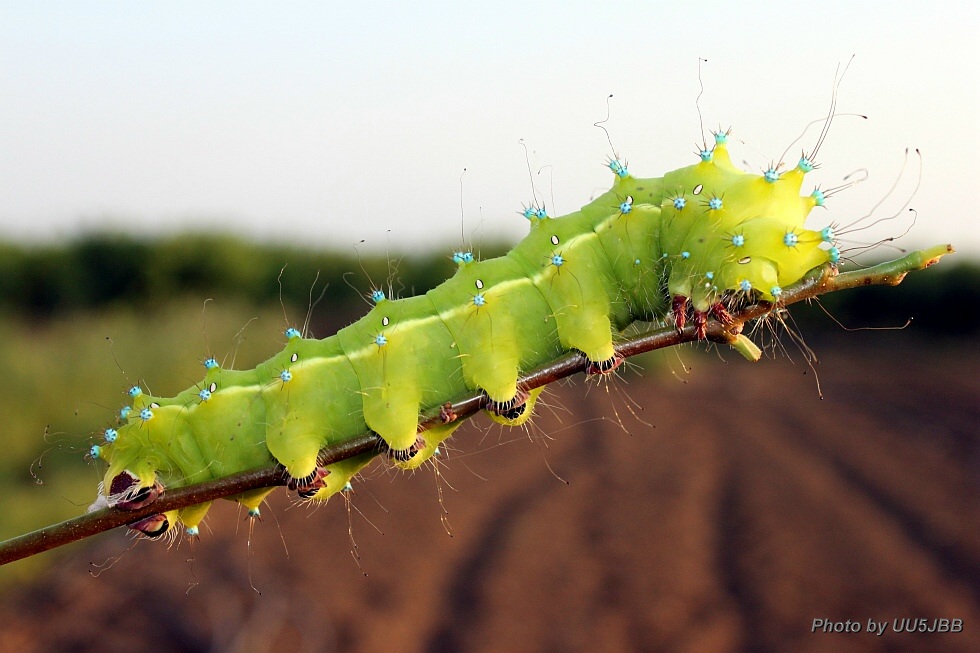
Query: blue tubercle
x=685 y=254
x=557 y=260
x=347 y=487
x=776 y=291
x=286 y=376
x=124 y=412
x=380 y=340
x=714 y=203
x=146 y=414
x=135 y=391
x=745 y=285
x=541 y=214
x=110 y=435
x=721 y=138
x=95 y=451
x=204 y=394
x=790 y=239
x=706 y=155
x=625 y=207
x=462 y=258
x=293 y=333
x=192 y=531
x=818 y=197
x=254 y=513
x=834 y=255
x=530 y=212
x=377 y=296
x=805 y=164
x=771 y=176
x=709 y=275
x=479 y=299
x=827 y=234
x=618 y=168
x=738 y=240
x=210 y=363
x=679 y=203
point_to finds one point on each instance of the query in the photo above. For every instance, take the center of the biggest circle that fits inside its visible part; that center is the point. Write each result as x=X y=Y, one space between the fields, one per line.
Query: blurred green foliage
x=102 y=269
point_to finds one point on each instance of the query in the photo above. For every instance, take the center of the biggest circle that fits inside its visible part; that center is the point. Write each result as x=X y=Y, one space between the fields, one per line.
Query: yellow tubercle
x=526 y=415
x=192 y=516
x=793 y=178
x=722 y=159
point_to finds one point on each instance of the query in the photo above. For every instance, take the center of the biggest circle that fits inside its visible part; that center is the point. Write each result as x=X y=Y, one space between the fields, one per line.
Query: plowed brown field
x=747 y=509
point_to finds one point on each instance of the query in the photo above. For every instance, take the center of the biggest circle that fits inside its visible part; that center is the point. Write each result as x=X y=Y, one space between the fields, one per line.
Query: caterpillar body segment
x=387 y=348
x=320 y=390
x=728 y=230
x=709 y=232
x=483 y=306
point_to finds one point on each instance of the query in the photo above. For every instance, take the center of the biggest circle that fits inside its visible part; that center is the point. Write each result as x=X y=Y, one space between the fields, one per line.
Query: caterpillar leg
x=511 y=409
x=153 y=526
x=310 y=484
x=607 y=366
x=678 y=306
x=405 y=455
x=447 y=414
x=700 y=324
x=430 y=440
x=720 y=313
x=127 y=493
x=340 y=474
x=518 y=414
x=681 y=305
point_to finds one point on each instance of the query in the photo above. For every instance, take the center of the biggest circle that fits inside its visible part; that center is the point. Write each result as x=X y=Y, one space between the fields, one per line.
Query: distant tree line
x=104 y=269
x=101 y=269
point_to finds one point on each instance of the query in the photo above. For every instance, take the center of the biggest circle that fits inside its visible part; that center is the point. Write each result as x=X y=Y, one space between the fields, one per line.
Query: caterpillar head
x=130 y=481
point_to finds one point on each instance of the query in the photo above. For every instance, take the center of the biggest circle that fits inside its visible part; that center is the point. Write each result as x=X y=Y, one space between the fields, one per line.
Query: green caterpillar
x=713 y=234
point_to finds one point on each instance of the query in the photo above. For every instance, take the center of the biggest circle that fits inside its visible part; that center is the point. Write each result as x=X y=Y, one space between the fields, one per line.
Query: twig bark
x=819 y=282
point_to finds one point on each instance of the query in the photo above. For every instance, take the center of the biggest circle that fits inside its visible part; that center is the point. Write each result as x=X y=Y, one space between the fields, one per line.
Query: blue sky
x=330 y=123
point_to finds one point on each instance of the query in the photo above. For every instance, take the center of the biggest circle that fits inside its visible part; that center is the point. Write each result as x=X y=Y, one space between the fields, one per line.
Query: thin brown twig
x=818 y=282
